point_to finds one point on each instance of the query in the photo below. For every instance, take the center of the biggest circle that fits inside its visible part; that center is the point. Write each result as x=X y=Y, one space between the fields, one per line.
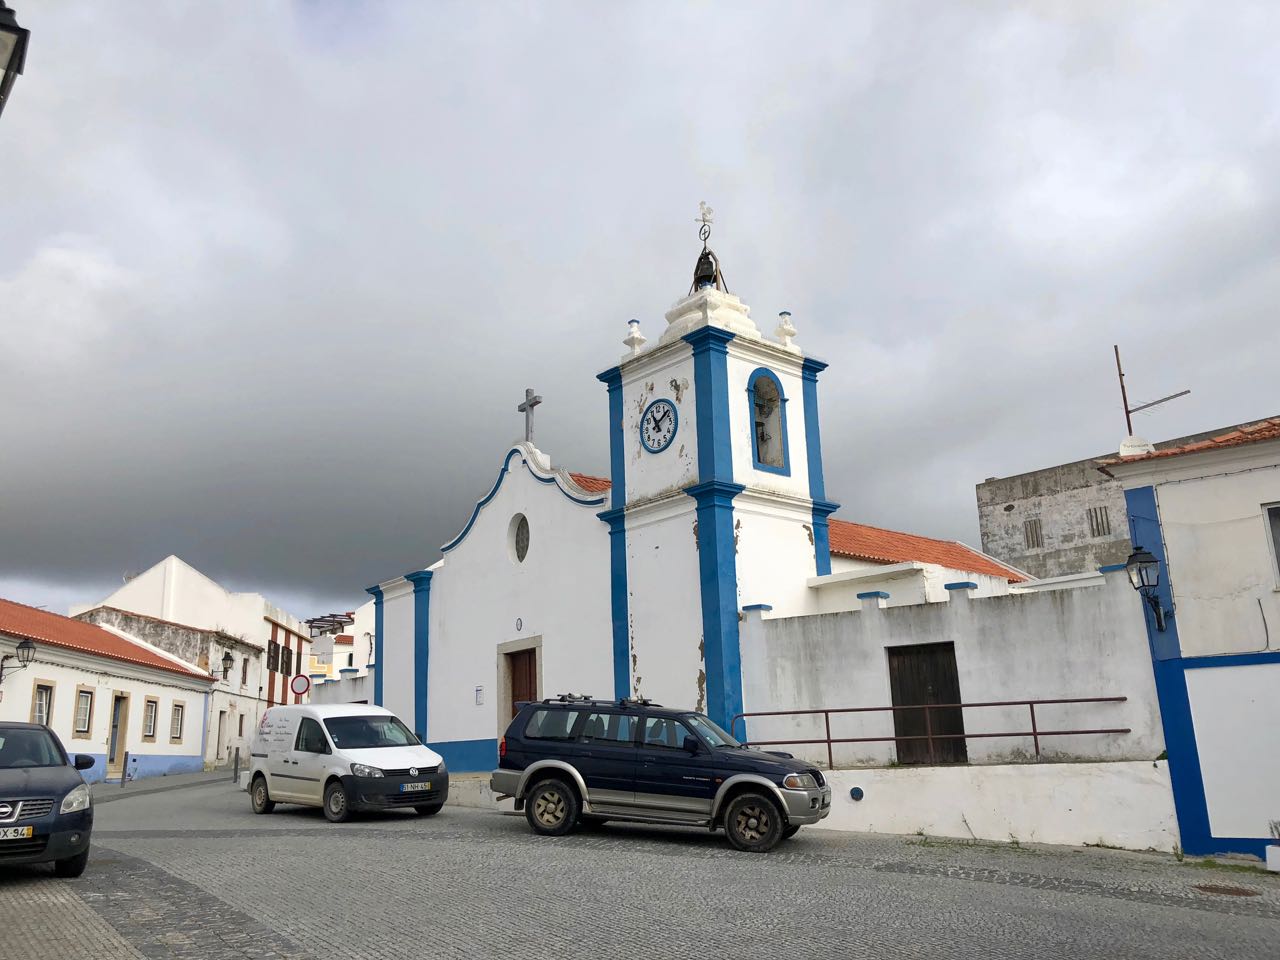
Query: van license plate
x=14 y=833
x=414 y=787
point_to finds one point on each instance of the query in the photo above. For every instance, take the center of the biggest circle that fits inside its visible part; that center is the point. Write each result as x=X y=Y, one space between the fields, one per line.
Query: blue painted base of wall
x=143 y=765
x=468 y=756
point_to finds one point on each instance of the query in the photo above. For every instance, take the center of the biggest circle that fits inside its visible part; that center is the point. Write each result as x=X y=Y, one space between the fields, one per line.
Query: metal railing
x=1035 y=733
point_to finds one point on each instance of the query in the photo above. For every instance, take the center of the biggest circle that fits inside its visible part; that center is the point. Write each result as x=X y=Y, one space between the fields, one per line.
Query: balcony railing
x=1036 y=733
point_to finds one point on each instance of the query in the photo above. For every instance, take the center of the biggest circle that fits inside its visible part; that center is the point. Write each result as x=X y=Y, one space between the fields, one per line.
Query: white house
x=268 y=645
x=104 y=693
x=1209 y=514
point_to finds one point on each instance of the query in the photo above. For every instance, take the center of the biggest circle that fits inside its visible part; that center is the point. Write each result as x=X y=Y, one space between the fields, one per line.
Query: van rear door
x=279 y=730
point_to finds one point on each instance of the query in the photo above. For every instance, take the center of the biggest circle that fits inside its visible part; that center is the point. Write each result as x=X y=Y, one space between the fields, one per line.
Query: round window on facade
x=519 y=537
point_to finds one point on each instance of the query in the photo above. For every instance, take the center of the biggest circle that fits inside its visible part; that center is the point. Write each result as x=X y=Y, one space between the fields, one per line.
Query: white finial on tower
x=785 y=332
x=635 y=339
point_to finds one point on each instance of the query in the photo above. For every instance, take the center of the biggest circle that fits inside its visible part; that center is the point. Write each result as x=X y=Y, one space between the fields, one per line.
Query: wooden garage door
x=920 y=674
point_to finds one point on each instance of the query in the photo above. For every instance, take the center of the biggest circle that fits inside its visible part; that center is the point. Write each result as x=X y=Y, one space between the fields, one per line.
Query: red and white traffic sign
x=300 y=684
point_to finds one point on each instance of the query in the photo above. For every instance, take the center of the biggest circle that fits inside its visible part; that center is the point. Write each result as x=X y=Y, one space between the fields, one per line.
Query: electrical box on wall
x=479 y=696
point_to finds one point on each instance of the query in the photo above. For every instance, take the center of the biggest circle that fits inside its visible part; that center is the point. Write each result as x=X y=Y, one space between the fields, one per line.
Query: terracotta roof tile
x=1268 y=429
x=591 y=484
x=19 y=620
x=857 y=541
x=344 y=638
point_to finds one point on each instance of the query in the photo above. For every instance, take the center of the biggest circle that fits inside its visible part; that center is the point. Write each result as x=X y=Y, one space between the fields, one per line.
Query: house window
x=273 y=656
x=42 y=703
x=351 y=659
x=241 y=728
x=84 y=711
x=175 y=722
x=244 y=671
x=149 y=713
x=768 y=422
x=1032 y=534
x=1099 y=522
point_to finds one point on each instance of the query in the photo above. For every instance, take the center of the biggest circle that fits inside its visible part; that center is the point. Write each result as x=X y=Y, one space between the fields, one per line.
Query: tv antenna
x=1124 y=395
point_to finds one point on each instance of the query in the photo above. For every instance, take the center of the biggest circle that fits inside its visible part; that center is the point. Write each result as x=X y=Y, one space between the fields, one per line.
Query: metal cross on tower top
x=530 y=401
x=705 y=217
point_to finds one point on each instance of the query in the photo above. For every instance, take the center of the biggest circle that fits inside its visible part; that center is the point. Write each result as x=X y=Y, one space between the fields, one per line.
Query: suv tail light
x=502 y=748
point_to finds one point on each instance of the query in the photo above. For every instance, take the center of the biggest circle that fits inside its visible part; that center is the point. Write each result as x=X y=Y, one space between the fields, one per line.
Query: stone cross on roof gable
x=530 y=401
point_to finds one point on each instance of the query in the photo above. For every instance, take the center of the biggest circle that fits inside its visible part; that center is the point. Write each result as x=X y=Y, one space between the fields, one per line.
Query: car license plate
x=14 y=833
x=415 y=787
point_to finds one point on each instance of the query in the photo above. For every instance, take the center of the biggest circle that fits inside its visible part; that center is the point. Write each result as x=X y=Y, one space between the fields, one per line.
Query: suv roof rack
x=637 y=702
x=572 y=698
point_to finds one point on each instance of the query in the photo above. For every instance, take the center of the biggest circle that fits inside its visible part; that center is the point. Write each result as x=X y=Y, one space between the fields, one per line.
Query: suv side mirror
x=83 y=761
x=691 y=744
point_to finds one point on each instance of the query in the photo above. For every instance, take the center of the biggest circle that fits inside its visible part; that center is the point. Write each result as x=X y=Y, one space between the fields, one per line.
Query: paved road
x=192 y=873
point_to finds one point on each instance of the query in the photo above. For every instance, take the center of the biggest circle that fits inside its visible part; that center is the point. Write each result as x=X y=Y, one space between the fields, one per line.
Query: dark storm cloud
x=271 y=284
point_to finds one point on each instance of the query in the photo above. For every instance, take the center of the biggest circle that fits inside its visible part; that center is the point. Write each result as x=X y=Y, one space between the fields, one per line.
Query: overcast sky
x=274 y=276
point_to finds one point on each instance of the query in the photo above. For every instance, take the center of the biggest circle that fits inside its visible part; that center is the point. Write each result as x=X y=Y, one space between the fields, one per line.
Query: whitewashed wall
x=666 y=372
x=1236 y=714
x=1085 y=642
x=775 y=553
x=559 y=595
x=397 y=649
x=1221 y=566
x=665 y=603
x=745 y=357
x=67 y=670
x=1125 y=804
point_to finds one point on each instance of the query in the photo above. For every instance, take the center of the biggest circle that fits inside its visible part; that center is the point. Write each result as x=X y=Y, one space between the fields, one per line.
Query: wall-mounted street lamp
x=1144 y=573
x=227 y=661
x=26 y=653
x=13 y=52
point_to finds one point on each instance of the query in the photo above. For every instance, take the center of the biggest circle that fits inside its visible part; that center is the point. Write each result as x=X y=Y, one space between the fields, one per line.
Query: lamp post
x=227 y=662
x=13 y=52
x=1144 y=573
x=26 y=653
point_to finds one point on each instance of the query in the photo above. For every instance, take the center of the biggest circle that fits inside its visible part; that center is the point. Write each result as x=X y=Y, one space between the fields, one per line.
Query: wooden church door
x=522 y=668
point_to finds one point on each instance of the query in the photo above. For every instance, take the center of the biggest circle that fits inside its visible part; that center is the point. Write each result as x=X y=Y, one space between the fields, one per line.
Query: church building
x=638 y=584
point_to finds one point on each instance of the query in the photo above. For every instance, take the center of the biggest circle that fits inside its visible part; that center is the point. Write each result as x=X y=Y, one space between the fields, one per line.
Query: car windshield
x=33 y=747
x=710 y=731
x=365 y=733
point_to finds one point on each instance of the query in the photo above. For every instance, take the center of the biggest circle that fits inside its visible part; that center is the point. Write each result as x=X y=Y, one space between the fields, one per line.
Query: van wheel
x=72 y=866
x=429 y=809
x=551 y=808
x=336 y=808
x=261 y=800
x=753 y=823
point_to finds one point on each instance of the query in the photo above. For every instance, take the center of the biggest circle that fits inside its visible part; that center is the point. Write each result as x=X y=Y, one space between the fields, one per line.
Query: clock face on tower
x=658 y=425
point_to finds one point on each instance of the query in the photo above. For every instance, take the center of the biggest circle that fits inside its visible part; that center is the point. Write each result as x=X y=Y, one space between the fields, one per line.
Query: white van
x=343 y=757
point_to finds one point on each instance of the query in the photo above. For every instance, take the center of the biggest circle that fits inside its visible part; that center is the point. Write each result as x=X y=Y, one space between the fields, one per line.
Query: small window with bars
x=1099 y=522
x=1032 y=533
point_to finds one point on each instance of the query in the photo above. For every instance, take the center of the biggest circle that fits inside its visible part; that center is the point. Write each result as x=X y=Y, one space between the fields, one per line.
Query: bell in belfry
x=704 y=274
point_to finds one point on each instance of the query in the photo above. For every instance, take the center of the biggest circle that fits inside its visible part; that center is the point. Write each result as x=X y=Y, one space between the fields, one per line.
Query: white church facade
x=640 y=584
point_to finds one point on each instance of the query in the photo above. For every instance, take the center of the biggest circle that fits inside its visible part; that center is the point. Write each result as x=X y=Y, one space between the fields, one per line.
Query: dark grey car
x=46 y=809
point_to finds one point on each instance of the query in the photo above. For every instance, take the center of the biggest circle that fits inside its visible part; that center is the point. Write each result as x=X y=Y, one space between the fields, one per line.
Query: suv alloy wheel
x=551 y=808
x=753 y=823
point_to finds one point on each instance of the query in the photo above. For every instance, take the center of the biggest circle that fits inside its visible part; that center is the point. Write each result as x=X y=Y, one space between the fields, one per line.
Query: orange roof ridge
x=21 y=620
x=1256 y=432
x=591 y=484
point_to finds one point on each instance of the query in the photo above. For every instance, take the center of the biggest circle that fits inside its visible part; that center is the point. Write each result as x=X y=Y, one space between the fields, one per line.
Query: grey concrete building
x=1060 y=520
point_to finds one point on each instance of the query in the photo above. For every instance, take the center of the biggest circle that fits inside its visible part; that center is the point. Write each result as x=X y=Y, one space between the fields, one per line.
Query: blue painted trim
x=143 y=765
x=421 y=580
x=758 y=606
x=204 y=729
x=961 y=585
x=822 y=507
x=468 y=756
x=756 y=375
x=711 y=391
x=497 y=485
x=612 y=378
x=1232 y=660
x=617 y=521
x=675 y=425
x=718 y=576
x=1111 y=568
x=349 y=670
x=873 y=595
x=376 y=593
x=317 y=676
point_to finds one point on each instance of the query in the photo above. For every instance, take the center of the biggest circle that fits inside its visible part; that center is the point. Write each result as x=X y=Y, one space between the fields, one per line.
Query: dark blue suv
x=576 y=760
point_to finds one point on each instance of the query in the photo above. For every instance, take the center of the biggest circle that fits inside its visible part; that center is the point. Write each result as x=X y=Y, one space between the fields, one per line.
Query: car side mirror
x=691 y=744
x=83 y=761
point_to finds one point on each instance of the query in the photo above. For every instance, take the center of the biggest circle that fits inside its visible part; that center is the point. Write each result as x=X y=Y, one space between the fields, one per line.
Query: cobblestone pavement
x=193 y=874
